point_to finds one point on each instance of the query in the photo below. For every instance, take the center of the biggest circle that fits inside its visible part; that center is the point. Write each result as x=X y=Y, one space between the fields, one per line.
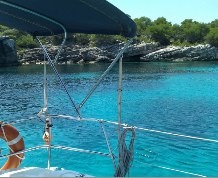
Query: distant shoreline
x=81 y=54
x=143 y=52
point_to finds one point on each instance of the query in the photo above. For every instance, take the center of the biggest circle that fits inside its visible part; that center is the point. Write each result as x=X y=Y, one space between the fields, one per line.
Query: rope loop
x=125 y=154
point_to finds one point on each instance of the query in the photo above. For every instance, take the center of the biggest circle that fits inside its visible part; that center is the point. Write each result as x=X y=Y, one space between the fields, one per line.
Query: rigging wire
x=59 y=77
x=119 y=100
x=119 y=55
x=45 y=86
x=108 y=144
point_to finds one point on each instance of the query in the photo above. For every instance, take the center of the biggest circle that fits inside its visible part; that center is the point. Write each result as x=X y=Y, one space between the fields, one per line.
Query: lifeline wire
x=139 y=128
x=178 y=135
x=56 y=147
x=17 y=121
x=91 y=152
x=107 y=154
x=80 y=150
x=22 y=151
x=166 y=133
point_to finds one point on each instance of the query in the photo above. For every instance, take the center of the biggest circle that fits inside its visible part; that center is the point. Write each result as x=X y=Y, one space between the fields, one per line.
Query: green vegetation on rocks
x=165 y=33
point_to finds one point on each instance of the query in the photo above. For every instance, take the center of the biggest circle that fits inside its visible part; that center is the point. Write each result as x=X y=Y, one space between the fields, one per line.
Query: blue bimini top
x=50 y=17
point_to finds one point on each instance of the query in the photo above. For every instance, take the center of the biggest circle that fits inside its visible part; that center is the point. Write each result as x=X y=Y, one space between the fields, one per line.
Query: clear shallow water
x=174 y=97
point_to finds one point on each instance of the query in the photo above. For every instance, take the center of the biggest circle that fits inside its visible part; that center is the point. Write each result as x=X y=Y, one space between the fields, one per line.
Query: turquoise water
x=173 y=97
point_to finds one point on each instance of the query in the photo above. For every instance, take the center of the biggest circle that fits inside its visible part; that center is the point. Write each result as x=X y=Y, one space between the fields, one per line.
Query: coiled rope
x=125 y=154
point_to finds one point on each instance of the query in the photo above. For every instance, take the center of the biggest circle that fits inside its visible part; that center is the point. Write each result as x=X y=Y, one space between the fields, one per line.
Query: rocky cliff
x=142 y=52
x=86 y=54
x=8 y=53
x=175 y=53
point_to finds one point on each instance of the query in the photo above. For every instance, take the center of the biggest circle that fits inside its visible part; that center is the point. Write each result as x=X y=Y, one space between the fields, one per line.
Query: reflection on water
x=174 y=97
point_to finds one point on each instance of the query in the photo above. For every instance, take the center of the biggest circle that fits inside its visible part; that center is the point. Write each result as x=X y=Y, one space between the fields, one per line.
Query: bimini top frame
x=74 y=16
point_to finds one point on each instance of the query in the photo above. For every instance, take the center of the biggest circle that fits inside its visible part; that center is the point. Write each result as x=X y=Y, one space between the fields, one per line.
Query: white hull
x=41 y=172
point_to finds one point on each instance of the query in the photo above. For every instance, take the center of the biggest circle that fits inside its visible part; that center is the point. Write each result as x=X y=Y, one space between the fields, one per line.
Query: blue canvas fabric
x=77 y=16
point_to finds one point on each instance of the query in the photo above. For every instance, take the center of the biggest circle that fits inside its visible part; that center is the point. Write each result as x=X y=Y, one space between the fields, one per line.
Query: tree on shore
x=212 y=37
x=160 y=31
x=142 y=28
x=189 y=32
x=193 y=32
x=23 y=40
x=214 y=24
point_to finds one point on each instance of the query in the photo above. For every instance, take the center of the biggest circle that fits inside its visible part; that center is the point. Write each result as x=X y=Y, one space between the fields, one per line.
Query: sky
x=175 y=11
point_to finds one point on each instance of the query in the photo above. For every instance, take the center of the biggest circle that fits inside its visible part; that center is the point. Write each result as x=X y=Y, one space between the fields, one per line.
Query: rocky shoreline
x=143 y=52
x=179 y=54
